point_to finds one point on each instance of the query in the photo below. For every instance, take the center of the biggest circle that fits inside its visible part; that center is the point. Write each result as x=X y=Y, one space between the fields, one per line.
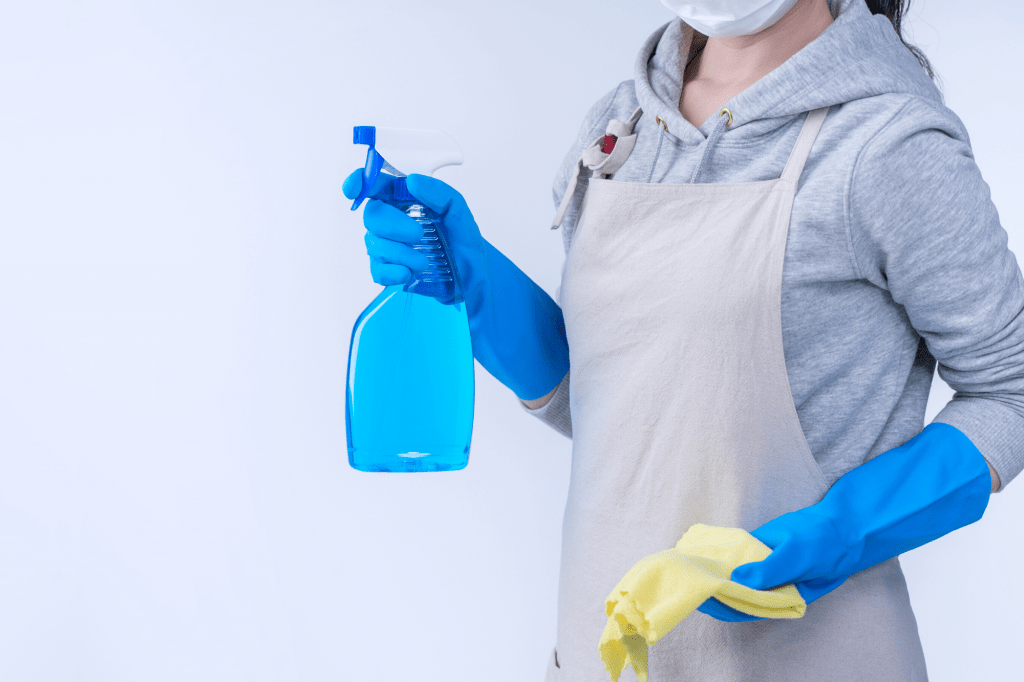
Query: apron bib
x=682 y=413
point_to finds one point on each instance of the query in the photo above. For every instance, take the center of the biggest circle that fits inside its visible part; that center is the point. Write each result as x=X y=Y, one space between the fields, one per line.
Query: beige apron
x=682 y=413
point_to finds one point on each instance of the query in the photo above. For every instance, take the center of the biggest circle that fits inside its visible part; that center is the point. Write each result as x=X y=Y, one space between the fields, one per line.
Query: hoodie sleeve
x=922 y=225
x=555 y=413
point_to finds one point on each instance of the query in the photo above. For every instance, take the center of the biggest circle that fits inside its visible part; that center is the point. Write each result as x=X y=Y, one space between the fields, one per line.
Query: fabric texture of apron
x=682 y=413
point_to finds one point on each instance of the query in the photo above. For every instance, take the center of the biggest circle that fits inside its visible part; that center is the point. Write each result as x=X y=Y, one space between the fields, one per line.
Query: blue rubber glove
x=517 y=329
x=906 y=497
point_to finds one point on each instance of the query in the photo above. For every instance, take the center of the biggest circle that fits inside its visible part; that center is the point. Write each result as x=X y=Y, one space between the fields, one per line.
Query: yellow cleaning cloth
x=664 y=588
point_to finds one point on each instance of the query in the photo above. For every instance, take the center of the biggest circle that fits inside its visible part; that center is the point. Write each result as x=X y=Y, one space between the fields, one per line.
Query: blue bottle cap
x=400 y=191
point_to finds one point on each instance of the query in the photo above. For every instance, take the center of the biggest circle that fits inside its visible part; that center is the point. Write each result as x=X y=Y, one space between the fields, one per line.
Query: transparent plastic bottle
x=410 y=388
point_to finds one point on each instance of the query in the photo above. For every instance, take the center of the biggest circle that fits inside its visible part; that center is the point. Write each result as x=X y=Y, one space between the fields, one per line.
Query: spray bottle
x=410 y=389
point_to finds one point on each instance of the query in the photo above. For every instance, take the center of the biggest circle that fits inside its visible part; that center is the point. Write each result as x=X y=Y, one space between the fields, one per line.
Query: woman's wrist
x=995 y=477
x=538 y=403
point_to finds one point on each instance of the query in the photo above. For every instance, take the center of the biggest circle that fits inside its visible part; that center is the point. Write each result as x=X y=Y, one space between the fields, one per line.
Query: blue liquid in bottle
x=410 y=389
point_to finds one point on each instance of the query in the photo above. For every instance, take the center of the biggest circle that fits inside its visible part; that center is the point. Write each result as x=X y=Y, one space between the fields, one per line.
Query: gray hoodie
x=895 y=255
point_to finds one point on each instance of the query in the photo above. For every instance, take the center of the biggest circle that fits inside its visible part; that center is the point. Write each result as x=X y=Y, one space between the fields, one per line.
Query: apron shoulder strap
x=802 y=148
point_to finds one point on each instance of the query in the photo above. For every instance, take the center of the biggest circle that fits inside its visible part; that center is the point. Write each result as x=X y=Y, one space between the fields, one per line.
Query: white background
x=179 y=274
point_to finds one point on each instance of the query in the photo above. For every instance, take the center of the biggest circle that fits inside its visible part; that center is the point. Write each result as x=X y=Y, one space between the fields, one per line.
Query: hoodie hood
x=859 y=55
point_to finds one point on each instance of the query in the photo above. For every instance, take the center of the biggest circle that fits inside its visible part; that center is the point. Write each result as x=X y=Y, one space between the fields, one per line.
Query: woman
x=771 y=234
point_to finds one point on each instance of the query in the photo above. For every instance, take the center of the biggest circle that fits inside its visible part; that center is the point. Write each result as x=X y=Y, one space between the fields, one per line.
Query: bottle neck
x=440 y=280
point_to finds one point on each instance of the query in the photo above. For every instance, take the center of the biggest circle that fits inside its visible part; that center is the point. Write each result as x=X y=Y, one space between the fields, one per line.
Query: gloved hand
x=934 y=483
x=517 y=329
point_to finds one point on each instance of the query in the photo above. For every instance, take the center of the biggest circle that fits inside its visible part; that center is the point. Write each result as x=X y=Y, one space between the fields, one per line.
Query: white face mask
x=728 y=18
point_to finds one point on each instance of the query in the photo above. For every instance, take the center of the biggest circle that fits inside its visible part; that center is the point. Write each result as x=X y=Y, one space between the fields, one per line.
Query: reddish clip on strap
x=609 y=144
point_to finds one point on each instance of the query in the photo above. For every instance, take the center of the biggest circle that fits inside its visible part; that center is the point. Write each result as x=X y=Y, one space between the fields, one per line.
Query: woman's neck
x=726 y=64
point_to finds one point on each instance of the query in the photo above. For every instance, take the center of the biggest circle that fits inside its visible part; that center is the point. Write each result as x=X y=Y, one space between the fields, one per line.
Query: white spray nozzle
x=416 y=151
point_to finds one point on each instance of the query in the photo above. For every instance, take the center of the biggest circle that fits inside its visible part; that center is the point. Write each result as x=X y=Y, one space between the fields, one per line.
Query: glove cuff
x=931 y=485
x=517 y=328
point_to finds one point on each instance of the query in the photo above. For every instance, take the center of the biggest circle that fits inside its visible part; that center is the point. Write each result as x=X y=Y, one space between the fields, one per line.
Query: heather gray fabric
x=895 y=255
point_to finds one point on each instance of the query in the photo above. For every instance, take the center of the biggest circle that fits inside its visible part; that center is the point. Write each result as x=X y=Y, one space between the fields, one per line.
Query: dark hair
x=894 y=10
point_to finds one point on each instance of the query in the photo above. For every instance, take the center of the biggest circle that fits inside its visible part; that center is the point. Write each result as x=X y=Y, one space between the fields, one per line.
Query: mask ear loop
x=374 y=164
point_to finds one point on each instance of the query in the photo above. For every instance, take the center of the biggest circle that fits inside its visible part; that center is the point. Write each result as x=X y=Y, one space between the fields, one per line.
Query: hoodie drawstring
x=719 y=128
x=657 y=153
